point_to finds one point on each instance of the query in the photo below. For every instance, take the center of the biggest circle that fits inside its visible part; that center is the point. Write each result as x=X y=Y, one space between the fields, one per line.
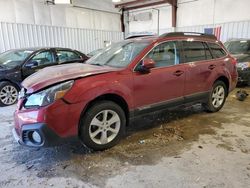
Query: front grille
x=26 y=136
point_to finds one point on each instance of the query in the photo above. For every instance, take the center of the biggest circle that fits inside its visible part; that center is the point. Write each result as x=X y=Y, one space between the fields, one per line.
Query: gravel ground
x=181 y=148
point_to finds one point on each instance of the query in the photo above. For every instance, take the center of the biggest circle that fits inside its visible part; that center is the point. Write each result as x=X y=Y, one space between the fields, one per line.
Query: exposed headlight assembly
x=49 y=95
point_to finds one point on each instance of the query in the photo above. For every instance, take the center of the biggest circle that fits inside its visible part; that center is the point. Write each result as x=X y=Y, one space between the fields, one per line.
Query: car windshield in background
x=13 y=58
x=119 y=54
x=95 y=52
x=238 y=47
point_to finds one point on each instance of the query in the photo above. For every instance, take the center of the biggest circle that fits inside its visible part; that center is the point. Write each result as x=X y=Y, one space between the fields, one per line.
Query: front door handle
x=211 y=67
x=178 y=73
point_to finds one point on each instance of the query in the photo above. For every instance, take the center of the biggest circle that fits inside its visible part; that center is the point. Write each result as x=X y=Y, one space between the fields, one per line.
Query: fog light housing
x=36 y=137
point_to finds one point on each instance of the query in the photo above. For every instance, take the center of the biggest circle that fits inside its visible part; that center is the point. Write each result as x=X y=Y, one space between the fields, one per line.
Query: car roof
x=177 y=35
x=42 y=48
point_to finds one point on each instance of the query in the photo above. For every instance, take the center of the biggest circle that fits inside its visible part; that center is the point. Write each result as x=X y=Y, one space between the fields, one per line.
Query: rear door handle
x=211 y=67
x=178 y=73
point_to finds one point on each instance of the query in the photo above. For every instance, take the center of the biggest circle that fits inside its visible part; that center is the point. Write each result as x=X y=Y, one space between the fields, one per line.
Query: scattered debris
x=177 y=156
x=65 y=166
x=241 y=95
x=197 y=179
x=157 y=135
x=29 y=166
x=180 y=138
x=141 y=141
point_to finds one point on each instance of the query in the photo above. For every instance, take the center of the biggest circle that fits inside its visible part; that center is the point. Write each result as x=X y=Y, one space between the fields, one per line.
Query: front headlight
x=243 y=65
x=48 y=95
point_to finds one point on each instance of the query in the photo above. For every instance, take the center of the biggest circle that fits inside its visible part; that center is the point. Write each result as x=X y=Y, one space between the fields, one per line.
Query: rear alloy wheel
x=8 y=94
x=103 y=125
x=217 y=97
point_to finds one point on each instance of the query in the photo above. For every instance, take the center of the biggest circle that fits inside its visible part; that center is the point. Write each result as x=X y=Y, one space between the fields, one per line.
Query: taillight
x=234 y=61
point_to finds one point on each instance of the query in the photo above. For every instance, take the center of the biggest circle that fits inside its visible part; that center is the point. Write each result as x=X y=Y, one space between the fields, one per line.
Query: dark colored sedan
x=240 y=49
x=16 y=65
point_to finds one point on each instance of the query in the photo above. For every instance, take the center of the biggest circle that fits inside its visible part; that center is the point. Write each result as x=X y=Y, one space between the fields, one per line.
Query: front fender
x=89 y=88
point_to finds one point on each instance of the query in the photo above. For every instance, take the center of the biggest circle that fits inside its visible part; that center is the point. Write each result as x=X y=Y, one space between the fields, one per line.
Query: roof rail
x=137 y=36
x=178 y=34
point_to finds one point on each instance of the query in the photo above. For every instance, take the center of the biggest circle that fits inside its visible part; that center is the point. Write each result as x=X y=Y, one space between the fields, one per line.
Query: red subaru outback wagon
x=96 y=100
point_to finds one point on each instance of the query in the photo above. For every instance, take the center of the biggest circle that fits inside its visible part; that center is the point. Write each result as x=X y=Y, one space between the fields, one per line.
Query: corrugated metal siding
x=13 y=35
x=228 y=30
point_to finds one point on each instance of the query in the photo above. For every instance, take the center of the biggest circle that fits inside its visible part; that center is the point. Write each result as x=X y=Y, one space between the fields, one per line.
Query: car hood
x=242 y=57
x=55 y=74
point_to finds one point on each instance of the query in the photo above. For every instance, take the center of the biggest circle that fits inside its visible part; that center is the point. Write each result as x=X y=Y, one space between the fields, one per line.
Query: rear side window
x=64 y=56
x=195 y=51
x=216 y=50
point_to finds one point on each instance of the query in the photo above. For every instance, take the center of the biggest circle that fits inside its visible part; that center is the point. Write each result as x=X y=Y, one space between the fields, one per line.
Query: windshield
x=238 y=47
x=95 y=52
x=119 y=54
x=13 y=58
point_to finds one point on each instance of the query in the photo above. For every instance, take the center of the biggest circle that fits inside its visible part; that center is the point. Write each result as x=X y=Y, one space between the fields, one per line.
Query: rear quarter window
x=217 y=50
x=195 y=51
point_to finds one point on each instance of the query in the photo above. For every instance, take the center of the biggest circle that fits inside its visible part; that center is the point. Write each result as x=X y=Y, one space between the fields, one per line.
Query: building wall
x=193 y=13
x=200 y=12
x=16 y=35
x=151 y=25
x=38 y=13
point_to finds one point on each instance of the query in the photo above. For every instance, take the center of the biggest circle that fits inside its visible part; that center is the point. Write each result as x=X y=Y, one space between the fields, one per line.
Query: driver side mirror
x=146 y=65
x=31 y=64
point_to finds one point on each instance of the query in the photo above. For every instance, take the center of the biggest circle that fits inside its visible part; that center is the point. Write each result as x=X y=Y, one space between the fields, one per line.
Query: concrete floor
x=181 y=148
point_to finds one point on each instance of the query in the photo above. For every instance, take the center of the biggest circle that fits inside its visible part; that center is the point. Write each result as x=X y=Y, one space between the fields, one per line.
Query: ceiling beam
x=120 y=5
x=146 y=5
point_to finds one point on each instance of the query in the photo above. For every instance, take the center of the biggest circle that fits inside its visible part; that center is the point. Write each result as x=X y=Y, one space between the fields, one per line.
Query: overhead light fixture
x=62 y=1
x=116 y=1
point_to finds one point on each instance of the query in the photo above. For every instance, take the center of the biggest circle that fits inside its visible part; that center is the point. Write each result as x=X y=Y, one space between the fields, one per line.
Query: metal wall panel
x=229 y=30
x=13 y=35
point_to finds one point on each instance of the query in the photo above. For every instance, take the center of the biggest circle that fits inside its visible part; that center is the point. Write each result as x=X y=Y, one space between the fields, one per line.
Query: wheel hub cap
x=218 y=96
x=104 y=127
x=8 y=95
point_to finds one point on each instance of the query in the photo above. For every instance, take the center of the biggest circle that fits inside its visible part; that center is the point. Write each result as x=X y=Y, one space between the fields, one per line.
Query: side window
x=64 y=56
x=194 y=51
x=208 y=53
x=217 y=51
x=43 y=58
x=165 y=54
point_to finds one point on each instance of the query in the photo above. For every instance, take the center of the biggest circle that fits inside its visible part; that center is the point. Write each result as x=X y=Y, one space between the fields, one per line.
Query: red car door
x=164 y=84
x=200 y=68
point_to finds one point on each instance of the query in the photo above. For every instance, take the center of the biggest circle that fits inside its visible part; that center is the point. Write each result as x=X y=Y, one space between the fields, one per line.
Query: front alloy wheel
x=8 y=94
x=103 y=125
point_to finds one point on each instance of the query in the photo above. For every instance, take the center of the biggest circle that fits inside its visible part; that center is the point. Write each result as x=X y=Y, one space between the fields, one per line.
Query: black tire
x=209 y=106
x=91 y=114
x=13 y=93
